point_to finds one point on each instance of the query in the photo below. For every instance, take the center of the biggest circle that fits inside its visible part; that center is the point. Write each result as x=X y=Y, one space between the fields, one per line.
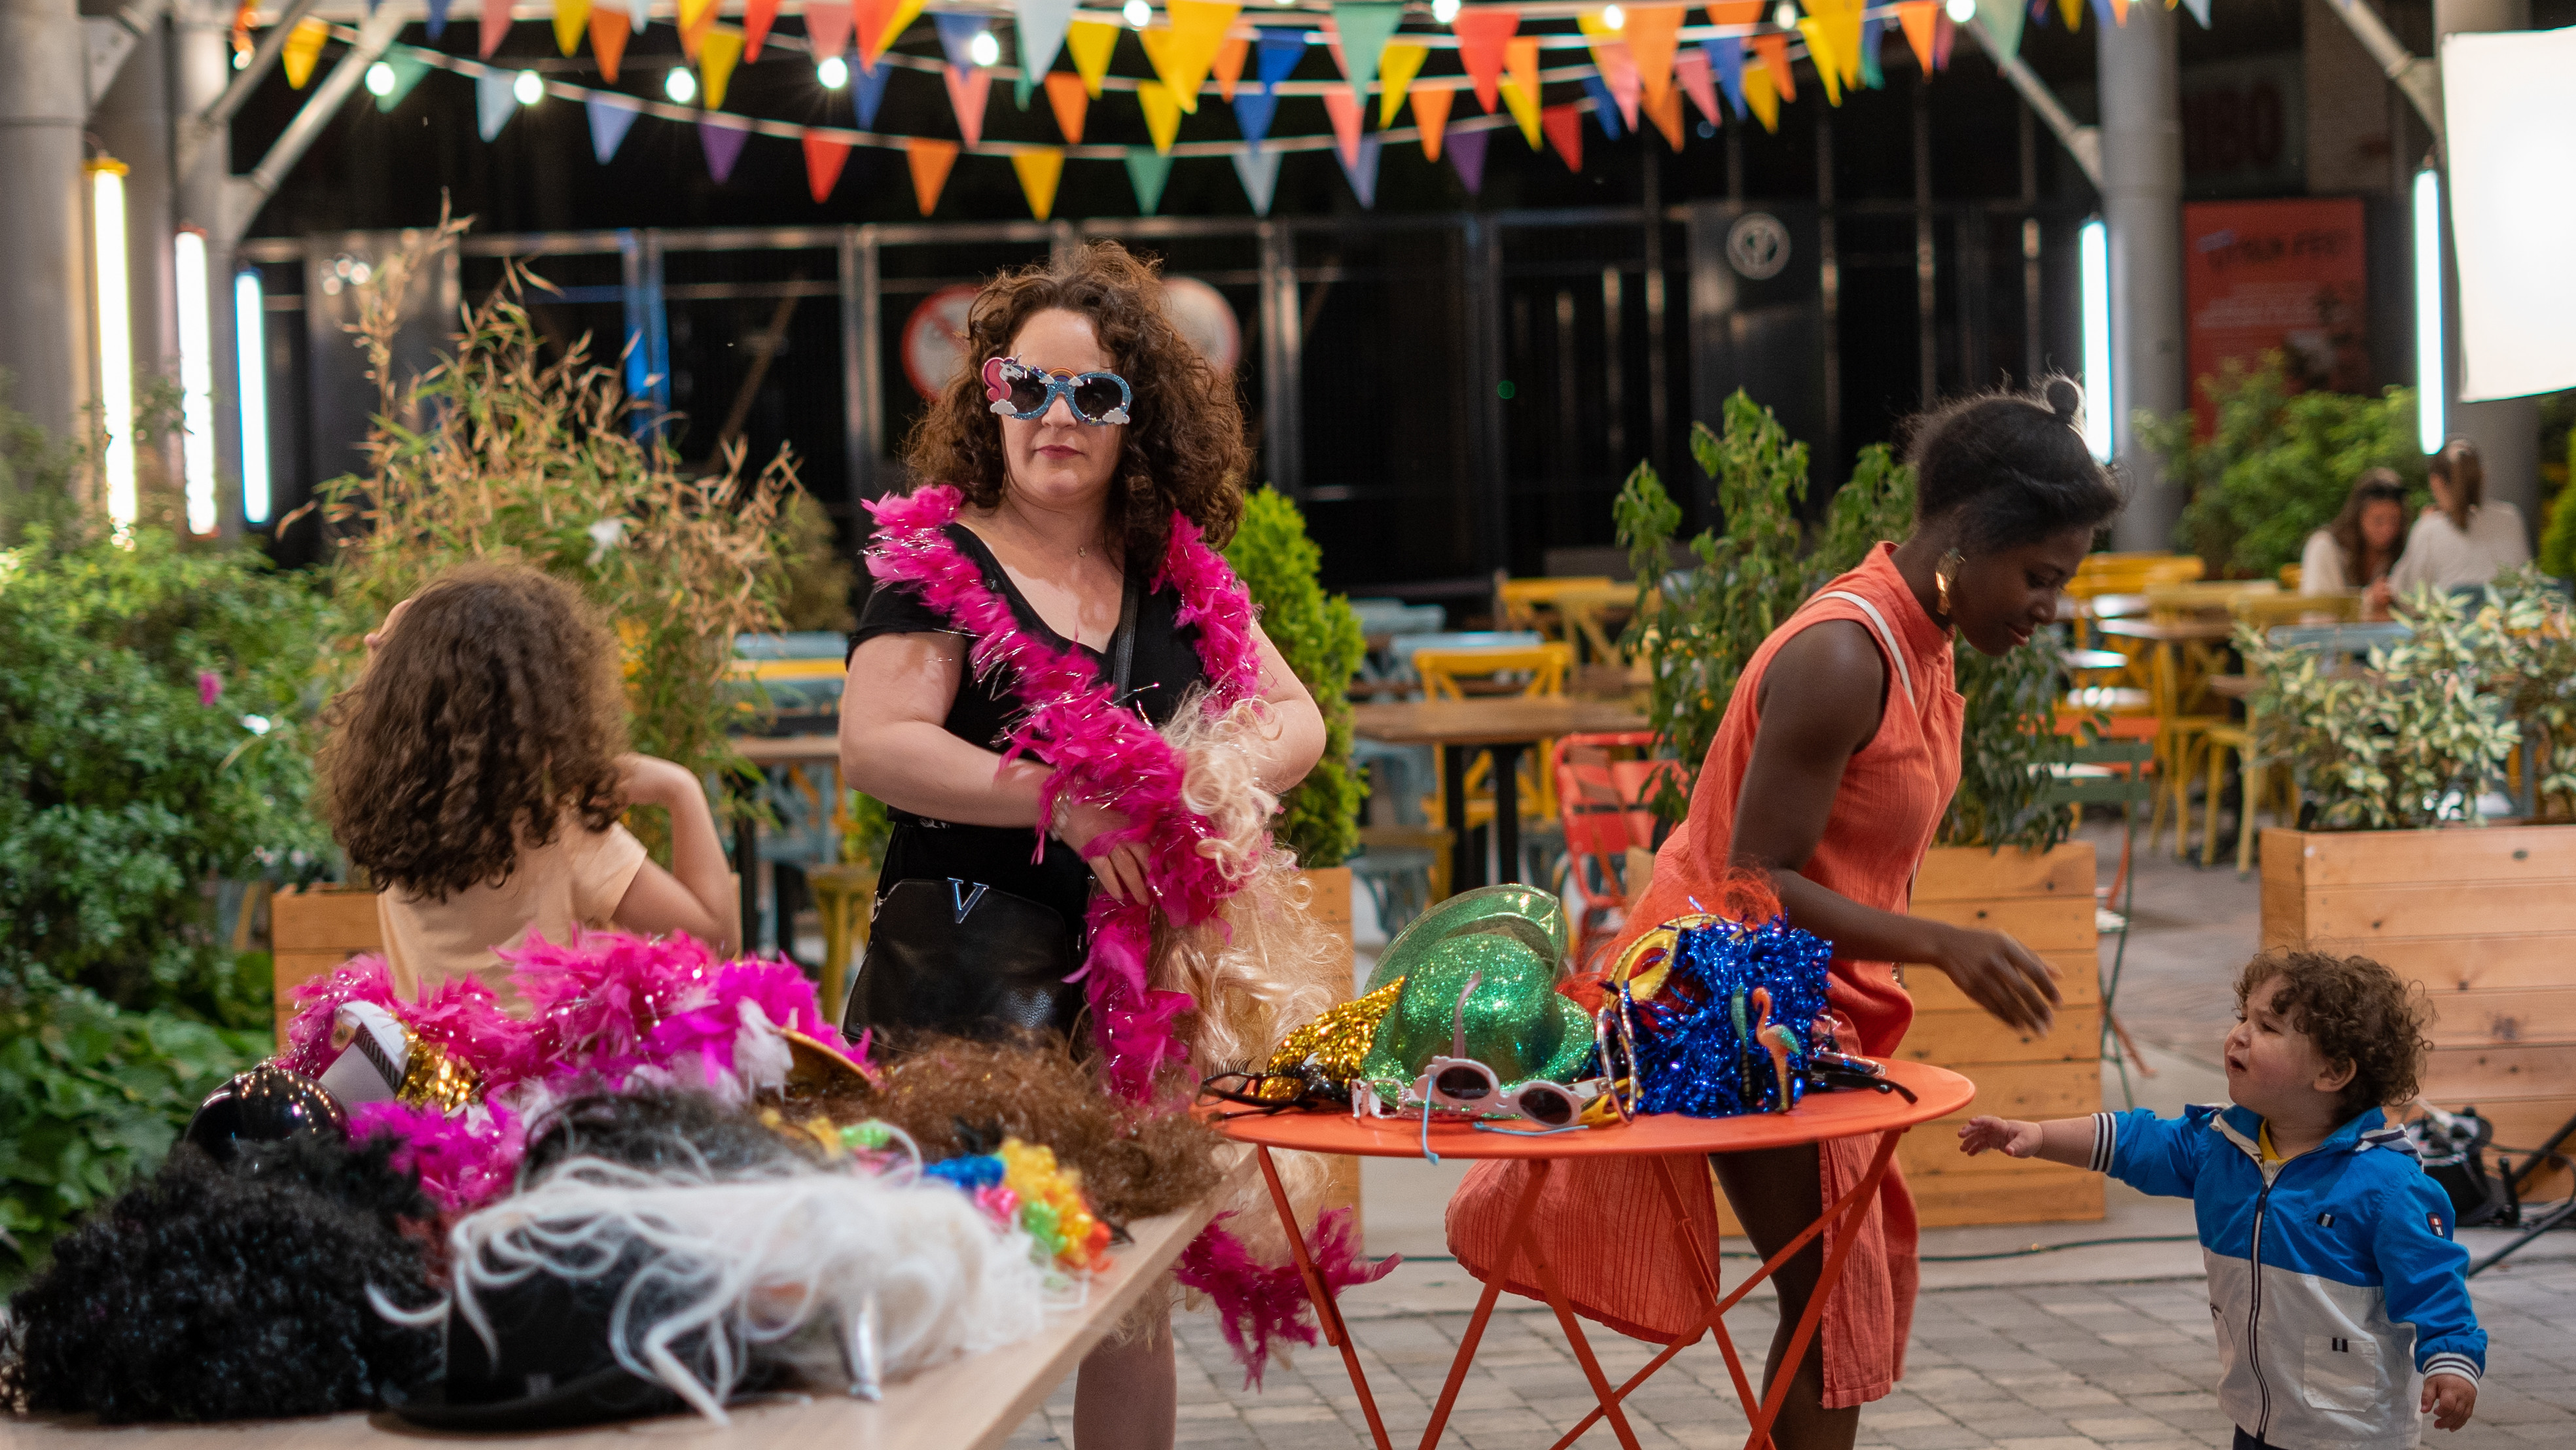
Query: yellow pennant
x=719 y=50
x=1162 y=113
x=1820 y=49
x=1521 y=84
x=1182 y=53
x=1092 y=43
x=1397 y=65
x=1040 y=168
x=1524 y=109
x=897 y=20
x=303 y=48
x=572 y=17
x=2073 y=11
x=1844 y=19
x=1762 y=98
x=695 y=16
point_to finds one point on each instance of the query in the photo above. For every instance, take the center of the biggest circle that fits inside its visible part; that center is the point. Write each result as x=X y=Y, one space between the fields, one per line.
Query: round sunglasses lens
x=1097 y=397
x=1548 y=1105
x=1028 y=392
x=1464 y=1084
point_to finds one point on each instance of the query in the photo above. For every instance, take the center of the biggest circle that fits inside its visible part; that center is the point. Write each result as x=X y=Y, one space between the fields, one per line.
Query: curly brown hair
x=1184 y=450
x=493 y=710
x=2356 y=1011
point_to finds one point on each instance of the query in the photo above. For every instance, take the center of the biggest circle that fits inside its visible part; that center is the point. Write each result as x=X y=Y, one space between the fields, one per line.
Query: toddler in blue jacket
x=2340 y=1299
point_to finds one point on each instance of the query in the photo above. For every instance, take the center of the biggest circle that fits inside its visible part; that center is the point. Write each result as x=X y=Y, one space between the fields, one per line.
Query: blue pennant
x=1726 y=62
x=1605 y=107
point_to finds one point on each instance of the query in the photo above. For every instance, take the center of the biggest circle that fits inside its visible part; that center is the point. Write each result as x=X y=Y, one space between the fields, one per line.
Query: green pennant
x=1999 y=24
x=407 y=68
x=1147 y=170
x=1364 y=31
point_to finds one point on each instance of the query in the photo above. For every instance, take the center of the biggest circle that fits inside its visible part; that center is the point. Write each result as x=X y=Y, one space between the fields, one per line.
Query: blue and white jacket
x=2332 y=1277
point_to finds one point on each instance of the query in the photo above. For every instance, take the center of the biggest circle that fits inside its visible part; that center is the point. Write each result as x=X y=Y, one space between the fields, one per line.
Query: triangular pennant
x=2074 y=12
x=1147 y=171
x=1254 y=109
x=1521 y=84
x=1091 y=43
x=695 y=17
x=827 y=30
x=611 y=117
x=1820 y=49
x=1182 y=53
x=639 y=13
x=1692 y=70
x=957 y=37
x=1725 y=56
x=1774 y=51
x=722 y=143
x=1845 y=19
x=436 y=18
x=930 y=161
x=1873 y=34
x=1653 y=33
x=493 y=102
x=1347 y=120
x=1228 y=67
x=757 y=17
x=1919 y=18
x=719 y=51
x=303 y=48
x=1162 y=113
x=1603 y=105
x=870 y=94
x=1944 y=32
x=494 y=29
x=608 y=30
x=892 y=20
x=572 y=17
x=1467 y=153
x=968 y=90
x=2002 y=20
x=1397 y=65
x=1361 y=171
x=2199 y=11
x=1482 y=34
x=1363 y=31
x=1258 y=170
x=1617 y=69
x=1431 y=114
x=1039 y=31
x=1667 y=117
x=1040 y=168
x=1764 y=101
x=823 y=159
x=1564 y=128
x=1071 y=103
x=1735 y=12
x=1278 y=54
x=407 y=67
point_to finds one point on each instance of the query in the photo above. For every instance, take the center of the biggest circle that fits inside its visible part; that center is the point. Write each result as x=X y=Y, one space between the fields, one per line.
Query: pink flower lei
x=1101 y=753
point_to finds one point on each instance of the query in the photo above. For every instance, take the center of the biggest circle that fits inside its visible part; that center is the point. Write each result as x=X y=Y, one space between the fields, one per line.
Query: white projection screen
x=2509 y=106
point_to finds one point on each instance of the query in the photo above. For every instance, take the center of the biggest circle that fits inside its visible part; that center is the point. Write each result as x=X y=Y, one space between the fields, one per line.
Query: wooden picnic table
x=1500 y=728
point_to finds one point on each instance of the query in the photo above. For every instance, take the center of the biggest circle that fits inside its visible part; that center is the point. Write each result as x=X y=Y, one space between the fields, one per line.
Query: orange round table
x=1678 y=1144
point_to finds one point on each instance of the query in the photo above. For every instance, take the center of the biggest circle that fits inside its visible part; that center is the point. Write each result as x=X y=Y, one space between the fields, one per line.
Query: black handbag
x=969 y=960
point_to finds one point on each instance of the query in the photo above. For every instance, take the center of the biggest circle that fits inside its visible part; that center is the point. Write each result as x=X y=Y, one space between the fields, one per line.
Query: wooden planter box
x=2481 y=916
x=315 y=929
x=1331 y=905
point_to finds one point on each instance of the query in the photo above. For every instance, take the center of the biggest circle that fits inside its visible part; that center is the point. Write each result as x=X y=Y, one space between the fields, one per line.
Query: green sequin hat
x=1510 y=941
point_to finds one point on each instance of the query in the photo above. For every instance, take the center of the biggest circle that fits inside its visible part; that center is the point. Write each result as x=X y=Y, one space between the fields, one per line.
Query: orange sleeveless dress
x=1603 y=1221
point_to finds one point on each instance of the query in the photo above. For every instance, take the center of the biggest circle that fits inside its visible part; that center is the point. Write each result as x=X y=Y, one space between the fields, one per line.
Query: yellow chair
x=845 y=898
x=1569 y=610
x=2291 y=577
x=2263 y=611
x=1531 y=671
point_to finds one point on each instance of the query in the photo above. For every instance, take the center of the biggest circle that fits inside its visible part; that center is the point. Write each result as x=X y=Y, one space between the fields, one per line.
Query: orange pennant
x=1431 y=113
x=1228 y=67
x=1774 y=50
x=695 y=17
x=1564 y=128
x=1667 y=116
x=1520 y=60
x=1071 y=102
x=608 y=28
x=1344 y=108
x=1735 y=12
x=1483 y=33
x=930 y=161
x=757 y=17
x=1653 y=35
x=823 y=158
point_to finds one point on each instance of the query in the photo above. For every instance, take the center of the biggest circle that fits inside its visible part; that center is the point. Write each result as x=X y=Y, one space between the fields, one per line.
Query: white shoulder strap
x=1886 y=636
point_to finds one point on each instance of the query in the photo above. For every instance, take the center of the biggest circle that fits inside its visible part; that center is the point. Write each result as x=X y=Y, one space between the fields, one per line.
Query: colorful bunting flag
x=823 y=159
x=870 y=94
x=1667 y=117
x=1564 y=128
x=1918 y=19
x=1843 y=18
x=1254 y=109
x=1071 y=104
x=1820 y=49
x=1873 y=34
x=1162 y=113
x=1397 y=65
x=1347 y=120
x=719 y=51
x=1361 y=171
x=930 y=161
x=827 y=29
x=1653 y=34
x=722 y=141
x=494 y=29
x=639 y=13
x=1091 y=43
x=303 y=48
x=1735 y=12
x=1258 y=170
x=1774 y=51
x=608 y=30
x=1617 y=68
x=609 y=123
x=1467 y=154
x=1228 y=68
x=968 y=89
x=2199 y=11
x=881 y=23
x=493 y=102
x=695 y=17
x=957 y=34
x=2002 y=20
x=407 y=67
x=757 y=17
x=1277 y=56
x=572 y=17
x=1764 y=101
x=1521 y=84
x=1039 y=29
x=1182 y=52
x=436 y=19
x=1431 y=115
x=1040 y=168
x=1691 y=68
x=1944 y=32
x=1482 y=34
x=1148 y=170
x=1604 y=108
x=1361 y=32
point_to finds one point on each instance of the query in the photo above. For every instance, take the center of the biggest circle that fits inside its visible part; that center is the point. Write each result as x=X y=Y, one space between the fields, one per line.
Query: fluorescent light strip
x=2100 y=391
x=250 y=346
x=115 y=339
x=196 y=379
x=2432 y=376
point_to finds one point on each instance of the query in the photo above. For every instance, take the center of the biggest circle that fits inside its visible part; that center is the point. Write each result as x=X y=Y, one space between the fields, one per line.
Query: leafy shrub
x=2279 y=464
x=1318 y=634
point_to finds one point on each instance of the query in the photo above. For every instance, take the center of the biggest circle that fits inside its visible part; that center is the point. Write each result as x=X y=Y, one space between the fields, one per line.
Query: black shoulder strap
x=1122 y=645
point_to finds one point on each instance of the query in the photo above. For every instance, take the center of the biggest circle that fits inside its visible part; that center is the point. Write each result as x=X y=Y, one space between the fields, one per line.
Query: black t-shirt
x=1165 y=665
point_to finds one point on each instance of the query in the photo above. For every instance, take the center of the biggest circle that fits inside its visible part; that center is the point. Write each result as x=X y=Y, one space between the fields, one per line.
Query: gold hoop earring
x=1944 y=574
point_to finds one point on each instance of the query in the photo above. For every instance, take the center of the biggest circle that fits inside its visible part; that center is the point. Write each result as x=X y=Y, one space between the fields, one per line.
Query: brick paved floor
x=2045 y=1367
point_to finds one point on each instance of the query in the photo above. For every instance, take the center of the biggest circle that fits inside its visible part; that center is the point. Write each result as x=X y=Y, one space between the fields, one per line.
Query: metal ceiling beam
x=2082 y=142
x=196 y=131
x=2418 y=78
x=245 y=195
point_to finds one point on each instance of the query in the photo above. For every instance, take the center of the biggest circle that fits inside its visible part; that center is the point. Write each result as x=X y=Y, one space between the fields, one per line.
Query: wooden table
x=966 y=1404
x=1499 y=728
x=766 y=751
x=1680 y=1147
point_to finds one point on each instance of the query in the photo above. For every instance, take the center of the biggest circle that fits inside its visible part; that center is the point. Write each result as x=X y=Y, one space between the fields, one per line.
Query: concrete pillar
x=200 y=66
x=132 y=123
x=2142 y=208
x=44 y=303
x=2506 y=431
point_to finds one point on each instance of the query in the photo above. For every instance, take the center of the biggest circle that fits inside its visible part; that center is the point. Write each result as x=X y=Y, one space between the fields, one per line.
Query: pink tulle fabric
x=1101 y=753
x=1262 y=1307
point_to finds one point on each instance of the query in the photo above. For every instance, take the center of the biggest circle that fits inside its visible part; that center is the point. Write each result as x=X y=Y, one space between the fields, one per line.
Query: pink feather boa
x=1262 y=1307
x=464 y=1162
x=1101 y=753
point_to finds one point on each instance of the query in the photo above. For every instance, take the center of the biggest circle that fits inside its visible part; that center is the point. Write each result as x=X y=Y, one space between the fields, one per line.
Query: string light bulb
x=1961 y=11
x=1613 y=18
x=832 y=72
x=1786 y=15
x=984 y=50
x=528 y=87
x=1138 y=14
x=1444 y=11
x=680 y=86
x=380 y=79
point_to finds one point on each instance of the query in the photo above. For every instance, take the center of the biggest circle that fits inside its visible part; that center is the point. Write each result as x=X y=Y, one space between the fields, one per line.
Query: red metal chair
x=1601 y=799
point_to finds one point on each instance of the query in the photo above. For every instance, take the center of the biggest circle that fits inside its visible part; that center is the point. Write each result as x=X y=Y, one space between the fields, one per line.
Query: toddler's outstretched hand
x=2451 y=1398
x=2017 y=1139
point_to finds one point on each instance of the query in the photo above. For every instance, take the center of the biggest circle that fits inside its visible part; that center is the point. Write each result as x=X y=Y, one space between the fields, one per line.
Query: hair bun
x=2063 y=398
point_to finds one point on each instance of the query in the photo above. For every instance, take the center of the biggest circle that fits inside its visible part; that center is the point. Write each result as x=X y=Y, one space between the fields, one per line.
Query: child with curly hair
x=477 y=771
x=2341 y=1301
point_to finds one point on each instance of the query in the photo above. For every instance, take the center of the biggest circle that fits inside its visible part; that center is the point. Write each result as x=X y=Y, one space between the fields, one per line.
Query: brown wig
x=1184 y=449
x=2356 y=1011
x=2376 y=485
x=2457 y=464
x=490 y=713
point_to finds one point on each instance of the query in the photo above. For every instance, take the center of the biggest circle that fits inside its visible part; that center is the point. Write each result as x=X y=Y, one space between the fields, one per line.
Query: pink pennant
x=496 y=25
x=1698 y=82
x=1345 y=111
x=1619 y=73
x=967 y=92
x=827 y=29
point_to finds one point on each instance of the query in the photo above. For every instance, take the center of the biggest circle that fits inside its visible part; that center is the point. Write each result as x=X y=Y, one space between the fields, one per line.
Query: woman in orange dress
x=1830 y=772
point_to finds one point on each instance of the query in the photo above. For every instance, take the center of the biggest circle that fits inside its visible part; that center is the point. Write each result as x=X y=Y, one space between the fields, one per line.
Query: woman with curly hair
x=1050 y=617
x=476 y=772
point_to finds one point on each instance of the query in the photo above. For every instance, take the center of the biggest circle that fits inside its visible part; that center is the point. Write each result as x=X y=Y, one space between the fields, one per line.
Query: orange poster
x=2259 y=275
